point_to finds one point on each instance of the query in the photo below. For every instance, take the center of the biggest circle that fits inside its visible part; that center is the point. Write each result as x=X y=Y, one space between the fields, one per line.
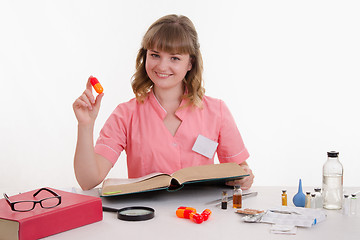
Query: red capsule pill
x=196 y=218
x=190 y=208
x=205 y=216
x=187 y=213
x=184 y=212
x=97 y=86
x=180 y=213
x=208 y=211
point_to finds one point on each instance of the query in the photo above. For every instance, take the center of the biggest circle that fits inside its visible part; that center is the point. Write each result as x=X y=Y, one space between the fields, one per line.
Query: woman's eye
x=155 y=55
x=175 y=58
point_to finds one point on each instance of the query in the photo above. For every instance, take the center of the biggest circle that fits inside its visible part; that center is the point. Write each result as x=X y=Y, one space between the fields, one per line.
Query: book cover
x=74 y=211
x=171 y=182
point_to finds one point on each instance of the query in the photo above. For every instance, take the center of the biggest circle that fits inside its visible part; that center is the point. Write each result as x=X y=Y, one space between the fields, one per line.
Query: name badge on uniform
x=205 y=146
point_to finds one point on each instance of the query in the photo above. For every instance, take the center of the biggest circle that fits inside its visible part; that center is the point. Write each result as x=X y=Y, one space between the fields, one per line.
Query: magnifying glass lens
x=136 y=213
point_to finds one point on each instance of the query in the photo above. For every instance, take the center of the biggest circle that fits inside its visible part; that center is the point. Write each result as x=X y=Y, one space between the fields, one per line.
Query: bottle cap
x=333 y=154
x=346 y=196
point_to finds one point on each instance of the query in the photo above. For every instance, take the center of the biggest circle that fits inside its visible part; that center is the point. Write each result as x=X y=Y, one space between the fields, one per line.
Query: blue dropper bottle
x=299 y=198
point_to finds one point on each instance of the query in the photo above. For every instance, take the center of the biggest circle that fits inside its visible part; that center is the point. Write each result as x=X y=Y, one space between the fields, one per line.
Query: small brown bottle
x=237 y=197
x=284 y=198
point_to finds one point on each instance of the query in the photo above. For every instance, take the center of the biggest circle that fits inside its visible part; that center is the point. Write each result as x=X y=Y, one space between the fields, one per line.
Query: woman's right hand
x=86 y=107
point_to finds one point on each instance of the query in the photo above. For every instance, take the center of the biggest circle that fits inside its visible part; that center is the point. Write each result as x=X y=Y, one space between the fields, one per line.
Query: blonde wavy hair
x=171 y=33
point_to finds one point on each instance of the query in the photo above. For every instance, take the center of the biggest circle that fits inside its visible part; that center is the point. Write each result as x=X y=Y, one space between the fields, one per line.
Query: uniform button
x=174 y=144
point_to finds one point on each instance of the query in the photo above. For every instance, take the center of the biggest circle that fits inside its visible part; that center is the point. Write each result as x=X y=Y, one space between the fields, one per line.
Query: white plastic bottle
x=332 y=186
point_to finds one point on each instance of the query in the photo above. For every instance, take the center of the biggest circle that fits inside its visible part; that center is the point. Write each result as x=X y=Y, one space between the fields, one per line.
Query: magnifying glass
x=136 y=213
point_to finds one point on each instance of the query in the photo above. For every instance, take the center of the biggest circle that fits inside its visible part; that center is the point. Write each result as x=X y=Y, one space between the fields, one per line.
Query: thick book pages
x=74 y=211
x=159 y=181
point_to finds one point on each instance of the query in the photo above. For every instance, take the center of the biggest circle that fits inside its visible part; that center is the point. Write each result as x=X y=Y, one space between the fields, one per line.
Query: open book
x=175 y=181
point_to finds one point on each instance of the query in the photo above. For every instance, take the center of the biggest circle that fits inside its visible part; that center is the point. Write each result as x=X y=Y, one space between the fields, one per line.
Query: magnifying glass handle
x=109 y=209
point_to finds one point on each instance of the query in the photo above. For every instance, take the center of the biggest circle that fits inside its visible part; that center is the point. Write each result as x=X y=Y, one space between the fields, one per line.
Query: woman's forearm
x=85 y=164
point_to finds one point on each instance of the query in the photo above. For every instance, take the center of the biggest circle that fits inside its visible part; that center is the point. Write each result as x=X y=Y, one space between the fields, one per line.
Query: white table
x=223 y=224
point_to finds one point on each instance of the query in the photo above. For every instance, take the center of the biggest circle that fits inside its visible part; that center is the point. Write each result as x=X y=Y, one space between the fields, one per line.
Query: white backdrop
x=288 y=71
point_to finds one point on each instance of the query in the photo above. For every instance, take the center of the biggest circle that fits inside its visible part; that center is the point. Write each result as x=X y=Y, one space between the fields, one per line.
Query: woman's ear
x=191 y=60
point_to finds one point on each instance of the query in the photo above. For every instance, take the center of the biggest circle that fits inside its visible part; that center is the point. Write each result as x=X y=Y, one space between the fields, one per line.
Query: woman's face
x=167 y=70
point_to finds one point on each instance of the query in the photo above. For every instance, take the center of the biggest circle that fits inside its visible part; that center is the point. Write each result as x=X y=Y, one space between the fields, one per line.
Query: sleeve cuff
x=238 y=158
x=107 y=152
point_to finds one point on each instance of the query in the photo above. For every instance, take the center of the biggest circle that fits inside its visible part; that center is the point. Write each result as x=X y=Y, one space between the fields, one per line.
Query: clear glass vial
x=353 y=204
x=224 y=200
x=237 y=197
x=313 y=200
x=332 y=185
x=346 y=205
x=318 y=198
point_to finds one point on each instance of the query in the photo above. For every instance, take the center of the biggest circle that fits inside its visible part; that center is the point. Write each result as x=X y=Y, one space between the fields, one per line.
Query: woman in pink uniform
x=170 y=124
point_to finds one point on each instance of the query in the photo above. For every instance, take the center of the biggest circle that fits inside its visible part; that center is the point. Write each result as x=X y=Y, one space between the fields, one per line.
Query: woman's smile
x=162 y=75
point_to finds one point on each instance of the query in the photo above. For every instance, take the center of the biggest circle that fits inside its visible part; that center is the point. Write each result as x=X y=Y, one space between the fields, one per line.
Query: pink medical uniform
x=138 y=128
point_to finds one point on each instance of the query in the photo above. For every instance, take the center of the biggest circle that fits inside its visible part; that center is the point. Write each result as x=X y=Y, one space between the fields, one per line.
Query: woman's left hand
x=245 y=182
